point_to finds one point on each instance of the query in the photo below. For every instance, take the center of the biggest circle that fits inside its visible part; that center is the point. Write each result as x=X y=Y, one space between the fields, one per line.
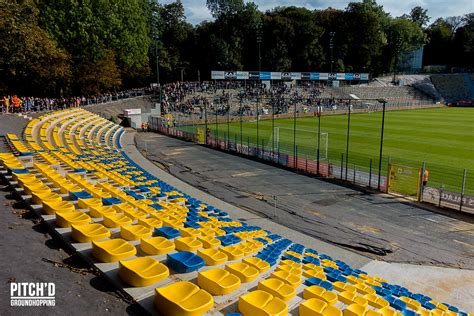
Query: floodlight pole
x=158 y=70
x=398 y=45
x=273 y=131
x=331 y=46
x=294 y=138
x=241 y=113
x=319 y=138
x=348 y=134
x=381 y=142
x=259 y=43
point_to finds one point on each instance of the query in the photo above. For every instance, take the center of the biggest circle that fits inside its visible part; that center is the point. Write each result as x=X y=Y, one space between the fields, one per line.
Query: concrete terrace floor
x=30 y=254
x=309 y=211
x=424 y=250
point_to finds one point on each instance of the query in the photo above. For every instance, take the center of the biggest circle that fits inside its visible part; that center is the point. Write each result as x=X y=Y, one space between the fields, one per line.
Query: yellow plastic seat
x=135 y=214
x=355 y=310
x=72 y=218
x=354 y=280
x=247 y=250
x=135 y=232
x=51 y=207
x=173 y=223
x=218 y=281
x=312 y=266
x=315 y=274
x=296 y=271
x=116 y=220
x=411 y=303
x=317 y=307
x=364 y=289
x=232 y=252
x=376 y=301
x=37 y=186
x=112 y=250
x=212 y=256
x=290 y=263
x=87 y=203
x=142 y=271
x=67 y=187
x=40 y=196
x=258 y=263
x=320 y=293
x=187 y=244
x=260 y=303
x=156 y=245
x=277 y=288
x=150 y=222
x=209 y=241
x=99 y=211
x=352 y=298
x=342 y=287
x=182 y=299
x=189 y=232
x=371 y=312
x=89 y=232
x=287 y=277
x=245 y=272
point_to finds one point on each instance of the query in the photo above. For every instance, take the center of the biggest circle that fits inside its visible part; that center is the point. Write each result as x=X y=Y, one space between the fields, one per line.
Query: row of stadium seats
x=193 y=255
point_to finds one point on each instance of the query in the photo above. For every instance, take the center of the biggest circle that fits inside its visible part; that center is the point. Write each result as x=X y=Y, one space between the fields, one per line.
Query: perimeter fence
x=339 y=139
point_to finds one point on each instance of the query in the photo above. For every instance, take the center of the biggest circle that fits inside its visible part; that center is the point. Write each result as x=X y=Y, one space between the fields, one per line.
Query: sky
x=196 y=10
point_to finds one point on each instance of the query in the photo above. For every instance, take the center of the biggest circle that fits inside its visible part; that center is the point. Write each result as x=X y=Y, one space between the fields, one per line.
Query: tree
x=419 y=16
x=219 y=8
x=365 y=23
x=99 y=76
x=439 y=49
x=30 y=61
x=454 y=22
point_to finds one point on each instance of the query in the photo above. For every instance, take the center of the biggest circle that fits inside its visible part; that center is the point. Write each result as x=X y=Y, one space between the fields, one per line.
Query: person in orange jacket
x=16 y=102
x=425 y=177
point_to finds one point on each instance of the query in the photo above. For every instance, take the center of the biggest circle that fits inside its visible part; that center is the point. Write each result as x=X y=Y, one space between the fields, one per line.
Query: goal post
x=282 y=138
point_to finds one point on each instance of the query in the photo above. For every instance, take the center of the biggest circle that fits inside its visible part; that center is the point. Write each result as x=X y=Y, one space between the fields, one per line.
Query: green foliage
x=419 y=16
x=29 y=59
x=92 y=31
x=109 y=44
x=220 y=8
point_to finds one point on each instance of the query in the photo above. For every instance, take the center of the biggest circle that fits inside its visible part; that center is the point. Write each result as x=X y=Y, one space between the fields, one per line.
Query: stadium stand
x=189 y=257
x=142 y=103
x=455 y=87
x=395 y=95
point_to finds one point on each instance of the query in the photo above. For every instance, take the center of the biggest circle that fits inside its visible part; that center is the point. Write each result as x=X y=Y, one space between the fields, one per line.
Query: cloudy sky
x=196 y=10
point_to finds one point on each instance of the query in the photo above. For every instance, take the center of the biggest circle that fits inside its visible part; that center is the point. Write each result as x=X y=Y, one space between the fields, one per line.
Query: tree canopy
x=97 y=46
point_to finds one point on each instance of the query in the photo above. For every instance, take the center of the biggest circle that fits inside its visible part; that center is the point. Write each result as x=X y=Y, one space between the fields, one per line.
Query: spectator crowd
x=16 y=104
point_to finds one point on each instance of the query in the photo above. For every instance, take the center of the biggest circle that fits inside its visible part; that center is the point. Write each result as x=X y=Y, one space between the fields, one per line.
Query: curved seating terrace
x=189 y=257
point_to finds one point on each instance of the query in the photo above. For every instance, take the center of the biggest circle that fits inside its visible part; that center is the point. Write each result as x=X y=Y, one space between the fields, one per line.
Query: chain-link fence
x=338 y=139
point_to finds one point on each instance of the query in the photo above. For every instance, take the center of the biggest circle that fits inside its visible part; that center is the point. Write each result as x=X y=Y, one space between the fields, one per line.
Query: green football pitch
x=443 y=138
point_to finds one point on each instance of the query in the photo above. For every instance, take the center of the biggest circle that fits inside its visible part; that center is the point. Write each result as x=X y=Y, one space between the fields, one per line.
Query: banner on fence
x=287 y=76
x=200 y=136
x=403 y=179
x=447 y=199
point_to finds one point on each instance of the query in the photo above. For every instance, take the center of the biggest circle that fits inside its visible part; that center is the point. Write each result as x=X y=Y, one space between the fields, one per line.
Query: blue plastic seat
x=228 y=240
x=313 y=260
x=111 y=201
x=319 y=282
x=333 y=277
x=167 y=232
x=192 y=224
x=184 y=262
x=74 y=196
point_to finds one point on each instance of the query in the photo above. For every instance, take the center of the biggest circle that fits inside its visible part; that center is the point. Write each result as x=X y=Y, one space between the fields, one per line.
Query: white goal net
x=282 y=139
